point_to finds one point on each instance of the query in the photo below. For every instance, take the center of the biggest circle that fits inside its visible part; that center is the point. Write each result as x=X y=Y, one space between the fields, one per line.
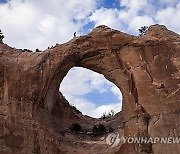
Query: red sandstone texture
x=34 y=116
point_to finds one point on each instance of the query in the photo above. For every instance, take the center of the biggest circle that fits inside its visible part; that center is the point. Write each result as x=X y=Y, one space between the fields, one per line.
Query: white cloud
x=116 y=92
x=136 y=22
x=129 y=19
x=134 y=5
x=76 y=82
x=39 y=24
x=134 y=13
x=169 y=2
x=81 y=81
x=170 y=16
x=91 y=109
x=108 y=17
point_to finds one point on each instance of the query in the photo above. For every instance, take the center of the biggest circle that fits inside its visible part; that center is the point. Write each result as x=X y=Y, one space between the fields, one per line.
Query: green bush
x=99 y=130
x=95 y=130
x=102 y=129
x=76 y=127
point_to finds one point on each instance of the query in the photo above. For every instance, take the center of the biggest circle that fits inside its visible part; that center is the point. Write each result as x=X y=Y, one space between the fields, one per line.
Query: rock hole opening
x=91 y=93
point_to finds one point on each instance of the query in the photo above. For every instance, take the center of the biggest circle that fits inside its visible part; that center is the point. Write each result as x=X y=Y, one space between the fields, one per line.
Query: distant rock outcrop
x=34 y=115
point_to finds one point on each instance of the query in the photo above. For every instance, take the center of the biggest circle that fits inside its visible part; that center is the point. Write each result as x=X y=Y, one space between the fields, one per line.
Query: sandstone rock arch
x=97 y=55
x=146 y=68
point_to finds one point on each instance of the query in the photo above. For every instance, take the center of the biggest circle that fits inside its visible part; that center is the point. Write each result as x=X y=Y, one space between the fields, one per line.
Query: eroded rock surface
x=34 y=114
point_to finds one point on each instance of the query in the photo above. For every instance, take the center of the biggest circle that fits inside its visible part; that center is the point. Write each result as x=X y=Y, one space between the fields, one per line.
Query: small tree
x=143 y=30
x=1 y=36
x=76 y=127
x=104 y=116
x=37 y=50
x=112 y=113
x=99 y=130
x=95 y=130
x=102 y=129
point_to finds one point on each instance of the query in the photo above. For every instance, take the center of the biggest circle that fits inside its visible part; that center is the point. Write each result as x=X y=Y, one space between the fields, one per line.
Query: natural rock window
x=91 y=92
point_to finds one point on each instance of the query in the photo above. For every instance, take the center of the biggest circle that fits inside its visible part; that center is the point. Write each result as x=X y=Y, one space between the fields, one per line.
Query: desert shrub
x=26 y=50
x=76 y=127
x=143 y=30
x=99 y=130
x=102 y=129
x=37 y=50
x=110 y=114
x=95 y=130
x=104 y=116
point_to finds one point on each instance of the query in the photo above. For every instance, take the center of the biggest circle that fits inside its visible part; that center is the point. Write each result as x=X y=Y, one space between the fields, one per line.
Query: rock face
x=33 y=113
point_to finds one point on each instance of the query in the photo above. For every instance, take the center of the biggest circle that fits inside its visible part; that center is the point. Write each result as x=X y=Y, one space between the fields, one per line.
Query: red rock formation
x=33 y=114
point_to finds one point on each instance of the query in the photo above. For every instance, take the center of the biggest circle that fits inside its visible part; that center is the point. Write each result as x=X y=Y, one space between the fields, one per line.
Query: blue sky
x=110 y=4
x=102 y=98
x=41 y=23
x=2 y=1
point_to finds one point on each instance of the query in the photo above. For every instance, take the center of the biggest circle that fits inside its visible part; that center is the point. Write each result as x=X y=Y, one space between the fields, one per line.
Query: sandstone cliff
x=33 y=113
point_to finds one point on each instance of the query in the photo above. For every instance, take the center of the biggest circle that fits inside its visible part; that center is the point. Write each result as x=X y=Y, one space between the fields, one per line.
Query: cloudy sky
x=41 y=23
